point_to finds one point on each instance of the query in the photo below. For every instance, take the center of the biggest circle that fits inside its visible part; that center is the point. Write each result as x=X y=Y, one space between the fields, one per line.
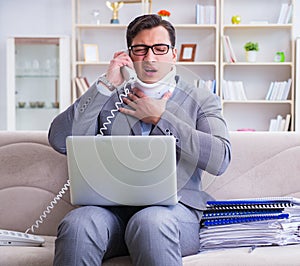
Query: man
x=152 y=235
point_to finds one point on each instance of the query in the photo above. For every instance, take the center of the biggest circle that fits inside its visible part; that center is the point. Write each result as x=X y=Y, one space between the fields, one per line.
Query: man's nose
x=150 y=56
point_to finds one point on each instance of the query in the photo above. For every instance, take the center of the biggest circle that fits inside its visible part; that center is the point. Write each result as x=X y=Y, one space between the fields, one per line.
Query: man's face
x=152 y=67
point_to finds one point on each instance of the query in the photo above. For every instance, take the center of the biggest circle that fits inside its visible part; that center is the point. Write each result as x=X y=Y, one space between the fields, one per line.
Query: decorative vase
x=251 y=56
x=165 y=18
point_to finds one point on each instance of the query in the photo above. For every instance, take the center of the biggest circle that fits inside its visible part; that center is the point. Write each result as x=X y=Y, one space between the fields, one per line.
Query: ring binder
x=249 y=204
x=245 y=219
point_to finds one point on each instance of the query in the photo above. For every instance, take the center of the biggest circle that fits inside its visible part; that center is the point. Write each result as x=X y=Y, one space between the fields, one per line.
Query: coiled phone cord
x=112 y=112
x=49 y=208
x=66 y=186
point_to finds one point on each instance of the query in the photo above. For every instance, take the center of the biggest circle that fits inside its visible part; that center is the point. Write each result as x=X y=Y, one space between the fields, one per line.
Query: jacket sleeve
x=200 y=130
x=81 y=118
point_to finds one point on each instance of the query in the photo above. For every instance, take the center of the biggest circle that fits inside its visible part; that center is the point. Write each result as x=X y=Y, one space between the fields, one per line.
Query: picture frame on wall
x=187 y=52
x=91 y=53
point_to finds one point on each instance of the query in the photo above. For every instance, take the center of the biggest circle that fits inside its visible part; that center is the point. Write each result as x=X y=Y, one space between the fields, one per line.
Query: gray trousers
x=152 y=236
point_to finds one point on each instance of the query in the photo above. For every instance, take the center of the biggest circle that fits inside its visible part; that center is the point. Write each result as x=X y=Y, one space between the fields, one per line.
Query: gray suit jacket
x=192 y=116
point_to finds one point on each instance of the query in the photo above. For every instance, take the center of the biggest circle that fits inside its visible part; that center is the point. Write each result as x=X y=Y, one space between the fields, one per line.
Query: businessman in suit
x=160 y=104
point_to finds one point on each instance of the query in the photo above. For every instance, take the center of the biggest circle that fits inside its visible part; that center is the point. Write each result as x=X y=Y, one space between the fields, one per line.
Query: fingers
x=133 y=97
x=167 y=95
x=119 y=60
x=129 y=102
x=126 y=111
x=138 y=93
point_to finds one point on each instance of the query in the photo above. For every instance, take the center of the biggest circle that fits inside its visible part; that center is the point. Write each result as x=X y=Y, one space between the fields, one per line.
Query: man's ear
x=174 y=51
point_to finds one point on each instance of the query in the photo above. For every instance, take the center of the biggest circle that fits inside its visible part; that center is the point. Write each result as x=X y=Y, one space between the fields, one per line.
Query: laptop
x=122 y=170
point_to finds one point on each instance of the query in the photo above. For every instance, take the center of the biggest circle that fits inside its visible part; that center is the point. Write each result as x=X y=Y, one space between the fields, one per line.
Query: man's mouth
x=150 y=70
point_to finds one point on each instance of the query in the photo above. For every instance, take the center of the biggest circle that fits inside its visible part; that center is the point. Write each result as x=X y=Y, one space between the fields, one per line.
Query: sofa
x=31 y=174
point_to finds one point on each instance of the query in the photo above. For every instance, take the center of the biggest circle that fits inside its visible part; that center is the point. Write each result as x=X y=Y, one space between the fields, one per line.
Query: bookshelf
x=109 y=38
x=263 y=23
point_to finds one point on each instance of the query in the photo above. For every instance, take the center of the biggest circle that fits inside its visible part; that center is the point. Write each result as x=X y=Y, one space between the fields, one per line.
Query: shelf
x=257 y=26
x=36 y=108
x=197 y=63
x=124 y=26
x=255 y=64
x=100 y=26
x=37 y=76
x=257 y=102
x=83 y=63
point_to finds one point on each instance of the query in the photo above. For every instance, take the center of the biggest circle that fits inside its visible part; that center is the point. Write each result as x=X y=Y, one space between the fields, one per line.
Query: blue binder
x=245 y=210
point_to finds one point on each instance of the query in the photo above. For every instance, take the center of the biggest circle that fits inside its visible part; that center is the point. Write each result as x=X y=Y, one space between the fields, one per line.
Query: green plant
x=251 y=46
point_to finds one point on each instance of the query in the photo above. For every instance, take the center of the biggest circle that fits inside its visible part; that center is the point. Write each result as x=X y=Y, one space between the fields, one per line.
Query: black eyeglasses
x=157 y=49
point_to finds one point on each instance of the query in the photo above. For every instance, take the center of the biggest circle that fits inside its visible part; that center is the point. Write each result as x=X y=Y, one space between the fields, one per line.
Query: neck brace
x=158 y=89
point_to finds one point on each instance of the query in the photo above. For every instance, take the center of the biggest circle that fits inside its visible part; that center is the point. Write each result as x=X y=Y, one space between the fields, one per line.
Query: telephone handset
x=129 y=74
x=14 y=238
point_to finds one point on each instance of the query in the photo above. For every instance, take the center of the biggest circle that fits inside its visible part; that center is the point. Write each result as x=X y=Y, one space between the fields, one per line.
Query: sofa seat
x=261 y=256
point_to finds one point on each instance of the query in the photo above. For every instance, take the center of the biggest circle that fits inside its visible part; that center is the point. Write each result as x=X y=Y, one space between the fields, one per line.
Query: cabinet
x=38 y=81
x=109 y=38
x=259 y=23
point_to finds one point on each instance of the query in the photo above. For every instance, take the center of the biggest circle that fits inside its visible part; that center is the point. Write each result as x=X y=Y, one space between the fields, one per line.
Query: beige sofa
x=31 y=174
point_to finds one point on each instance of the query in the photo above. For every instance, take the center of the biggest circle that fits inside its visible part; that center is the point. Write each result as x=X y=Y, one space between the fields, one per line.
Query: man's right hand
x=114 y=74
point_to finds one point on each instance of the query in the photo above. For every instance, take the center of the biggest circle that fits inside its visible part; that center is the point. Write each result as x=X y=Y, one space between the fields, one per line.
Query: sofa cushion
x=31 y=173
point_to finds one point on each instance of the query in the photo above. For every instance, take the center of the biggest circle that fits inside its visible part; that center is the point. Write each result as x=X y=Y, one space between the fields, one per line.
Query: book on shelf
x=82 y=85
x=279 y=123
x=205 y=14
x=206 y=84
x=233 y=90
x=279 y=90
x=285 y=13
x=228 y=50
x=287 y=122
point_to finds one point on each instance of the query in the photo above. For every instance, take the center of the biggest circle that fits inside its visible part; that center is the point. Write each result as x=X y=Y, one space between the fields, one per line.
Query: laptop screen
x=122 y=170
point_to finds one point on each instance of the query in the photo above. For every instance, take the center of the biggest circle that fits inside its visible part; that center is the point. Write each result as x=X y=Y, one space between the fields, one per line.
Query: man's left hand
x=144 y=108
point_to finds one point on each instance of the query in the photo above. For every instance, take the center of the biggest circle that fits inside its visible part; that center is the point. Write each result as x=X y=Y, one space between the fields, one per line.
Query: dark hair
x=148 y=21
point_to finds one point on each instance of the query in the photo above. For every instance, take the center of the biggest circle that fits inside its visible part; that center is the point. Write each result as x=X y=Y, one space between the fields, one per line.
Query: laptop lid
x=122 y=170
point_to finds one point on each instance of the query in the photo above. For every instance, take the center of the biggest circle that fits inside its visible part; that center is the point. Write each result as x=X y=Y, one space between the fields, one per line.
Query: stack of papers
x=250 y=222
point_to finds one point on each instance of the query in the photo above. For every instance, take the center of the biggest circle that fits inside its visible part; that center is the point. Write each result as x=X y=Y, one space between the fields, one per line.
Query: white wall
x=29 y=17
x=44 y=17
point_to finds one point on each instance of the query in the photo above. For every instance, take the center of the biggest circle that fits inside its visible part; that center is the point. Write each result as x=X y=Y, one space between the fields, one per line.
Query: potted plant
x=251 y=49
x=165 y=14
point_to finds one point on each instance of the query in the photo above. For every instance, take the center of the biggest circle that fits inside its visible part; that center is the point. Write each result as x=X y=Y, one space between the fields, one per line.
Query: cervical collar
x=158 y=89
